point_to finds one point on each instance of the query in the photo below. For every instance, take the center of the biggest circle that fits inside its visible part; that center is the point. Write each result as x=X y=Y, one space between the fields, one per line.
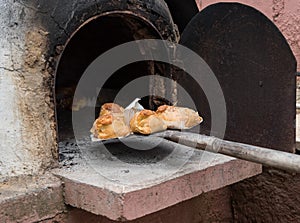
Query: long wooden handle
x=268 y=157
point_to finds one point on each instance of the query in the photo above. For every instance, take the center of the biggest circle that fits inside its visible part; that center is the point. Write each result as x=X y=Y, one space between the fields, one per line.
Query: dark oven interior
x=90 y=41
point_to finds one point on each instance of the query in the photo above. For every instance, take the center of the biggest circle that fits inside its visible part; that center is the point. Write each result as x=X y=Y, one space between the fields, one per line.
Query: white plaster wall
x=12 y=158
x=22 y=100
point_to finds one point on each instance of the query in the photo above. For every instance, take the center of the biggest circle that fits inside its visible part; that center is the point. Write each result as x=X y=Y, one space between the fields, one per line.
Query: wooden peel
x=268 y=157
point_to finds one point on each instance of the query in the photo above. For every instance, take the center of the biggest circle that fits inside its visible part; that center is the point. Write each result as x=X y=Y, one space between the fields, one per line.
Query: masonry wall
x=210 y=207
x=27 y=133
x=273 y=196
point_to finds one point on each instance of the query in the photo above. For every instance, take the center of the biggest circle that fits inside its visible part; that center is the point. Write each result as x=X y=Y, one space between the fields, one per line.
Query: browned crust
x=146 y=113
x=105 y=120
x=112 y=107
x=162 y=108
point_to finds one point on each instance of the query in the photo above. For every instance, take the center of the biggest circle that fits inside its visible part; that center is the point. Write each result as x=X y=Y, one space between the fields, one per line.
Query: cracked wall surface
x=284 y=13
x=23 y=94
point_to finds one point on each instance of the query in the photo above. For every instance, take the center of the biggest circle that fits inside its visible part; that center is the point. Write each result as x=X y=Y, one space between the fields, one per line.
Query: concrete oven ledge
x=125 y=184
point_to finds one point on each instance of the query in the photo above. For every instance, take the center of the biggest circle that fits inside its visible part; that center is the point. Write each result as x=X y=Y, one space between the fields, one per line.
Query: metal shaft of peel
x=268 y=157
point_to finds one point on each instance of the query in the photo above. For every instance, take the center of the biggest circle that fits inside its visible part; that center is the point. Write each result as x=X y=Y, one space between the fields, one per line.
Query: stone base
x=127 y=186
x=31 y=199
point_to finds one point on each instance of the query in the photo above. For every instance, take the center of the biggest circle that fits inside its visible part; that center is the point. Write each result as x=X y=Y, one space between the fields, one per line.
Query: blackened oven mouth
x=89 y=42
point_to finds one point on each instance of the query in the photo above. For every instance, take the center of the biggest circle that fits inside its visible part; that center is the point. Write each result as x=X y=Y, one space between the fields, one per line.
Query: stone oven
x=45 y=47
x=96 y=36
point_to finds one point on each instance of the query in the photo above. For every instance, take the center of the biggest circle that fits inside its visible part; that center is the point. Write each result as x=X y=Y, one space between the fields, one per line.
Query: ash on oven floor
x=69 y=153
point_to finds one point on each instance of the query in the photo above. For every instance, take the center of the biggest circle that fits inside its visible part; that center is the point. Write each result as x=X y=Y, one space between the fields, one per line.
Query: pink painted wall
x=284 y=13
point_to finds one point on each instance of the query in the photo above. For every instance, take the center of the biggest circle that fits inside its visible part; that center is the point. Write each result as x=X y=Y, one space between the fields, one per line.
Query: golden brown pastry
x=109 y=127
x=146 y=122
x=178 y=117
x=111 y=108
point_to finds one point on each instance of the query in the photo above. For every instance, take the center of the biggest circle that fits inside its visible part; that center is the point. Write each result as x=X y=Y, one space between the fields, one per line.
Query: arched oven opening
x=92 y=39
